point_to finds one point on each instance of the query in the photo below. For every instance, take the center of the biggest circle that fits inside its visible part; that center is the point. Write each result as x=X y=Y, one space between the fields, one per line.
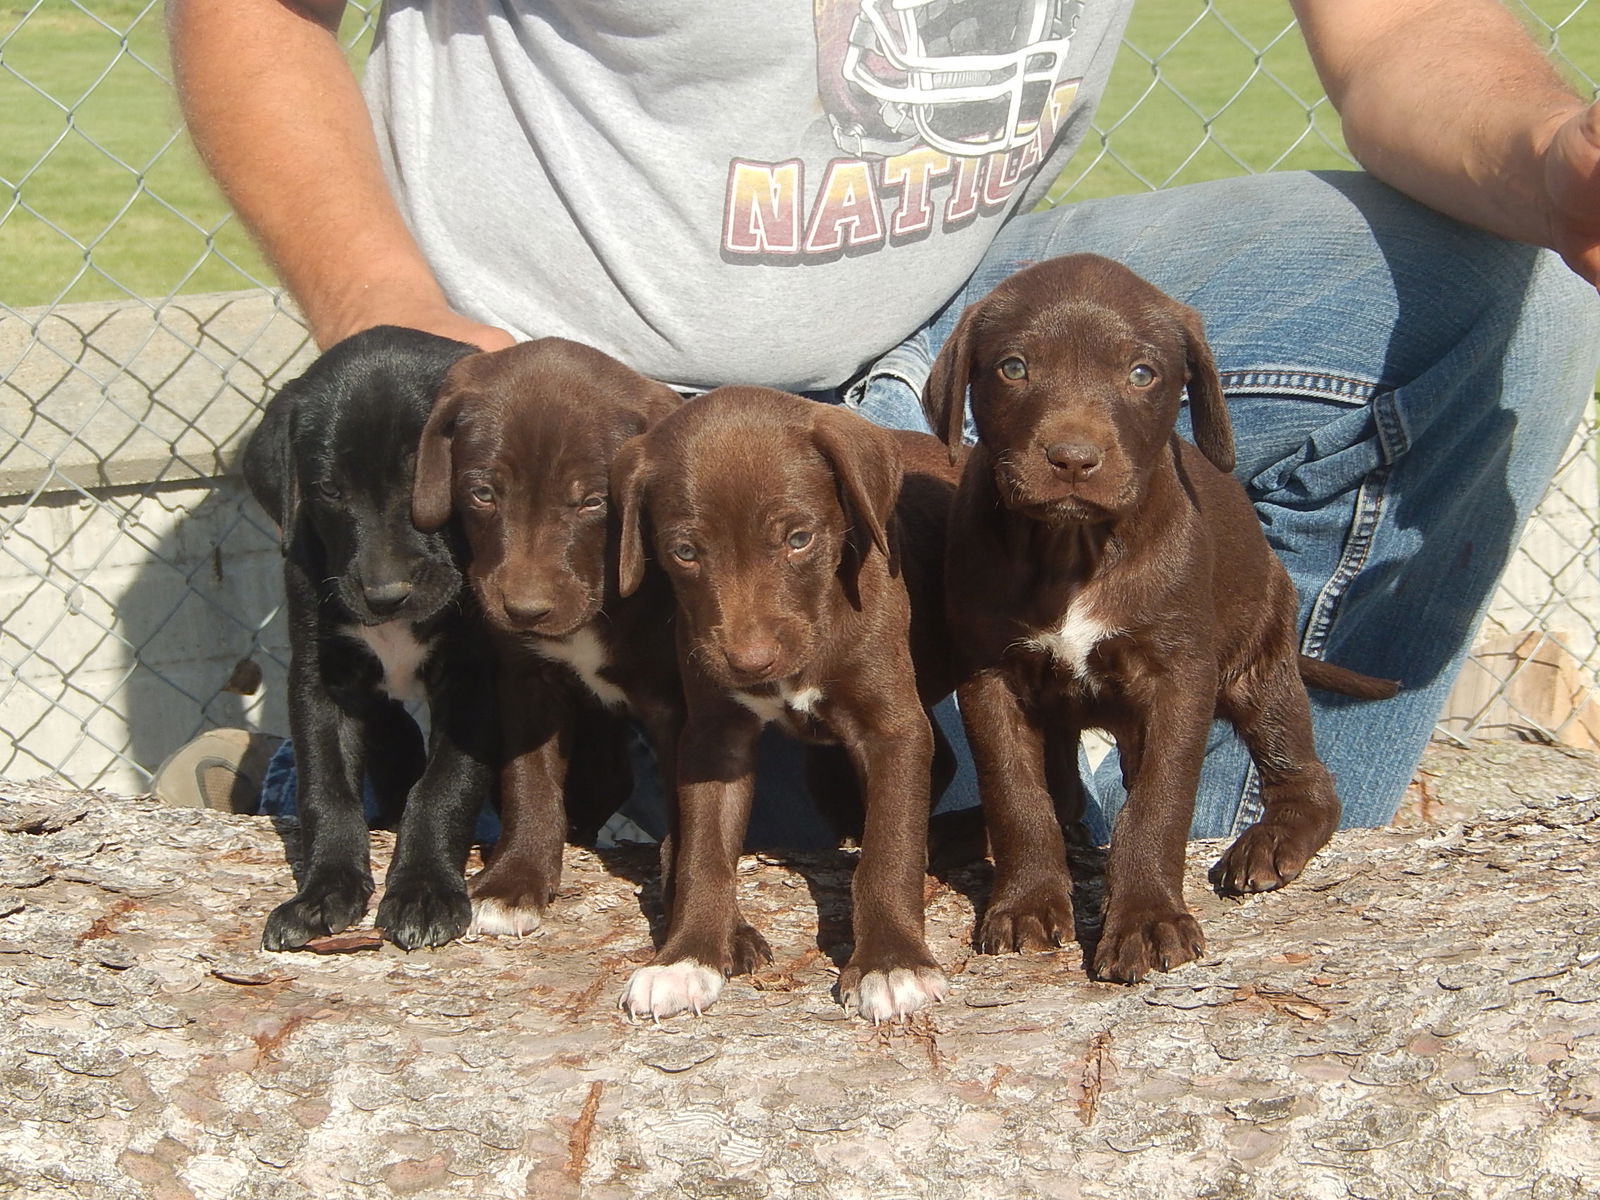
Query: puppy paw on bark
x=663 y=991
x=426 y=912
x=1038 y=920
x=506 y=906
x=894 y=994
x=1149 y=940
x=1265 y=857
x=493 y=917
x=324 y=906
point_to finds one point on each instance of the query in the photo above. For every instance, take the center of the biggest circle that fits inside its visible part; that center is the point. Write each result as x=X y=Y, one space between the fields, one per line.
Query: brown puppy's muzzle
x=522 y=606
x=1073 y=469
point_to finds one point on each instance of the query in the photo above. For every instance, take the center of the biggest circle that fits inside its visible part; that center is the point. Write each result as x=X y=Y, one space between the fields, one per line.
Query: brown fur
x=520 y=445
x=1082 y=510
x=722 y=490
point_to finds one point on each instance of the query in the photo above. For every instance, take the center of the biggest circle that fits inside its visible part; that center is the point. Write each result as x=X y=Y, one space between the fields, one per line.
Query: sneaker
x=221 y=769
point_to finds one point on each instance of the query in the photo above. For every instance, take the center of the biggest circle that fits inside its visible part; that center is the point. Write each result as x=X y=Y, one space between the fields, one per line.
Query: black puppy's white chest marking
x=587 y=655
x=399 y=651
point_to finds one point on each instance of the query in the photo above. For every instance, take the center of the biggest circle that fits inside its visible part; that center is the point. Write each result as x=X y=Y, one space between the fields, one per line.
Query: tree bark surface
x=1417 y=1016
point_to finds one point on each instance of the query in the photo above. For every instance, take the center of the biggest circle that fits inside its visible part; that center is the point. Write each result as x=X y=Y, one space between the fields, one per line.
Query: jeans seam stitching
x=1370 y=501
x=1299 y=383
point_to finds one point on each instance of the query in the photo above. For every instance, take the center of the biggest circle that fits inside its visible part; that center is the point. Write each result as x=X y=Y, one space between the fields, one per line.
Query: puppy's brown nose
x=527 y=612
x=752 y=660
x=384 y=598
x=1075 y=460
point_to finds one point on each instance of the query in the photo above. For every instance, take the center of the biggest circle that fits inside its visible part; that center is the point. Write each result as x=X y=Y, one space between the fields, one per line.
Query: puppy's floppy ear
x=431 y=488
x=866 y=462
x=944 y=396
x=1208 y=408
x=630 y=471
x=268 y=463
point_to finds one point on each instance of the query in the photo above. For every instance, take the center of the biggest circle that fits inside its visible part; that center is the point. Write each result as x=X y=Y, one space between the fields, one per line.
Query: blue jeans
x=1401 y=388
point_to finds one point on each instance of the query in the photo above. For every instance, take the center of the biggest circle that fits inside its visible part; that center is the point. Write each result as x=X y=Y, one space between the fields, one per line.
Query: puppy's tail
x=1328 y=678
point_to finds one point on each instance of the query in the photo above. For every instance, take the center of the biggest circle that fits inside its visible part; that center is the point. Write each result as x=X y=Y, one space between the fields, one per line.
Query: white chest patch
x=586 y=654
x=1071 y=642
x=400 y=653
x=788 y=700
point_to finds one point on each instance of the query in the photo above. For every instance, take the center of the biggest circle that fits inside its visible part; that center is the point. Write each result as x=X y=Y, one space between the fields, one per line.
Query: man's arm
x=1451 y=102
x=279 y=119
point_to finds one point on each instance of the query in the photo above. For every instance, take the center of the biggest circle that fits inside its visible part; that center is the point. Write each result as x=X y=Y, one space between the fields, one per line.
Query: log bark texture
x=1418 y=1016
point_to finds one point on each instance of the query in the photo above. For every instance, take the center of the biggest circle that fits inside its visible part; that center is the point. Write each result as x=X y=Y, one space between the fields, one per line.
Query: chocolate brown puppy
x=807 y=582
x=1105 y=573
x=520 y=445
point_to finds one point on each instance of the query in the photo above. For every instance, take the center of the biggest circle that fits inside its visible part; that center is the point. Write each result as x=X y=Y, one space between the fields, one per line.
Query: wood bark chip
x=582 y=1131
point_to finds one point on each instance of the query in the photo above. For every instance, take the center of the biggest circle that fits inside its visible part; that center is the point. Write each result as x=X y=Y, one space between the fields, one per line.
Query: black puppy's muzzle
x=386 y=599
x=413 y=590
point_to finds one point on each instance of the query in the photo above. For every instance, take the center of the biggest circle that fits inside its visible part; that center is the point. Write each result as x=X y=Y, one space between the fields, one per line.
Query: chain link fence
x=140 y=331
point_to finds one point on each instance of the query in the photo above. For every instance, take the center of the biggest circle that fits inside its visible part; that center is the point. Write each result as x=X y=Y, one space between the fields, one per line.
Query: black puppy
x=377 y=616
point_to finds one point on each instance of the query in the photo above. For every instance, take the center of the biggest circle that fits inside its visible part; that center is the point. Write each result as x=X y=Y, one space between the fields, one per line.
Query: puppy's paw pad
x=500 y=918
x=895 y=994
x=1130 y=949
x=663 y=991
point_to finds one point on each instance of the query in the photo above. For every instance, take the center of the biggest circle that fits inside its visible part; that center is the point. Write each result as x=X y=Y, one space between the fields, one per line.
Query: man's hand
x=402 y=307
x=1572 y=187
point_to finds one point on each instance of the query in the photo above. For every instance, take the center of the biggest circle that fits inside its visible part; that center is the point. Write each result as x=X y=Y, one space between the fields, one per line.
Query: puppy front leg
x=509 y=895
x=1030 y=907
x=1147 y=925
x=707 y=937
x=336 y=877
x=891 y=973
x=1270 y=709
x=425 y=895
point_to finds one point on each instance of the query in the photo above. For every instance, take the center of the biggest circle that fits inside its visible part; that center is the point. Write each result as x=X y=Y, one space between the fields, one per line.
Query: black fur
x=332 y=464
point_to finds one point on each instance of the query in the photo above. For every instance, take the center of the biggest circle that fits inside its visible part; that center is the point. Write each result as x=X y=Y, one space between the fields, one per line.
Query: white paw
x=499 y=919
x=895 y=995
x=658 y=992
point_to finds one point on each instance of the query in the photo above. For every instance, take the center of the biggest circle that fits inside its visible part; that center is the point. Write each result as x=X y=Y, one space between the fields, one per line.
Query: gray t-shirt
x=750 y=191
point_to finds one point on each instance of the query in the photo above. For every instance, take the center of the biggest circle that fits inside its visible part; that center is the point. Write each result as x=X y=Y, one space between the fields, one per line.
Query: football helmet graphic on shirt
x=965 y=77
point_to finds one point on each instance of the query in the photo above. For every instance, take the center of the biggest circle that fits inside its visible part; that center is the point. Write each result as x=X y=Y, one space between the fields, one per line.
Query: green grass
x=101 y=196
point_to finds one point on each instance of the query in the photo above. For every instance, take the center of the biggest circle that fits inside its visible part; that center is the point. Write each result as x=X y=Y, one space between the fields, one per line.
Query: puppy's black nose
x=752 y=660
x=384 y=598
x=1073 y=459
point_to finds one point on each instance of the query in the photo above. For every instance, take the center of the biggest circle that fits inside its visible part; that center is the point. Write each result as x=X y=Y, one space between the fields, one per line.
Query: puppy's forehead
x=1064 y=295
x=378 y=410
x=739 y=454
x=1088 y=325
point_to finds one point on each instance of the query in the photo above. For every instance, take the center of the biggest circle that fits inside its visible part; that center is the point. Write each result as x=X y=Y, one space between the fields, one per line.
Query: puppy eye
x=1141 y=376
x=591 y=503
x=482 y=494
x=1014 y=368
x=685 y=553
x=799 y=539
x=327 y=490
